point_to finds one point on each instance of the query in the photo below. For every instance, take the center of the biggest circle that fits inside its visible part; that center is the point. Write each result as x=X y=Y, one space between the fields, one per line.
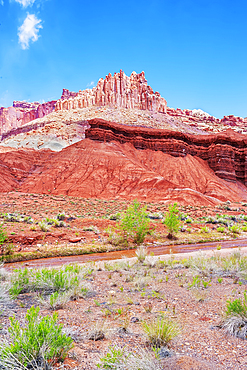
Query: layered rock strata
x=118 y=90
x=226 y=152
x=109 y=170
x=133 y=162
x=22 y=113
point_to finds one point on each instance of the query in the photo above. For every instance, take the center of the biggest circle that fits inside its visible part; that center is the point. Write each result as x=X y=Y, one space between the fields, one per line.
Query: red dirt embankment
x=170 y=167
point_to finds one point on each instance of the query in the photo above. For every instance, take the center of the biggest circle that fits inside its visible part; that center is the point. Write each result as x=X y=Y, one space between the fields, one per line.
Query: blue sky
x=194 y=52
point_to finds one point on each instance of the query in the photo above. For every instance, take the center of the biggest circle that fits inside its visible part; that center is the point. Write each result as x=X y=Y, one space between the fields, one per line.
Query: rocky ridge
x=118 y=98
x=119 y=91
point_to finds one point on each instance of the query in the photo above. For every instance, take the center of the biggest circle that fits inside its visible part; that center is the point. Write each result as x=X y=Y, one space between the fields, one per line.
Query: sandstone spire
x=119 y=91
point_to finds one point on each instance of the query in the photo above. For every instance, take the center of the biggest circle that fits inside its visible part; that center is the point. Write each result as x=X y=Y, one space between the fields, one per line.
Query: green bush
x=160 y=331
x=237 y=307
x=172 y=220
x=234 y=229
x=204 y=229
x=133 y=225
x=220 y=229
x=3 y=235
x=41 y=337
x=235 y=317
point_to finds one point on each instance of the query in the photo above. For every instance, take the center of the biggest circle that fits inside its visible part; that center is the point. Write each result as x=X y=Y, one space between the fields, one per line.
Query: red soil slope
x=225 y=152
x=16 y=165
x=111 y=169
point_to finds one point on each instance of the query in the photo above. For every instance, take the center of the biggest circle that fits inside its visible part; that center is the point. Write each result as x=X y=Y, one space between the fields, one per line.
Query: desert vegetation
x=142 y=313
x=35 y=225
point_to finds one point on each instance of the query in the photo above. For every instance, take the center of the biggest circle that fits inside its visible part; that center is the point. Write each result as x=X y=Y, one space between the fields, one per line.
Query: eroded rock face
x=22 y=113
x=129 y=93
x=225 y=152
x=118 y=90
x=102 y=168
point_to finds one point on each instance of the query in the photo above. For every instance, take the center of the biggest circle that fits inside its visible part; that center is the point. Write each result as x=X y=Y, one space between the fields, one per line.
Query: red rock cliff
x=226 y=152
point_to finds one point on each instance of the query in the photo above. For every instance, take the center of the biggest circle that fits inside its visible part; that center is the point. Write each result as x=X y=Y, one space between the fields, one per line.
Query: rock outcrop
x=198 y=118
x=118 y=90
x=117 y=161
x=111 y=170
x=22 y=113
x=226 y=152
x=121 y=98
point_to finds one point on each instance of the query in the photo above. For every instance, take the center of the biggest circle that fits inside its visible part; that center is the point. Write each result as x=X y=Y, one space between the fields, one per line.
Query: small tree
x=134 y=223
x=172 y=220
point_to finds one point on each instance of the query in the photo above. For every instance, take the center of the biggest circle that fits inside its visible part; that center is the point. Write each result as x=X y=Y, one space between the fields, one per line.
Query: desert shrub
x=56 y=300
x=237 y=307
x=141 y=254
x=234 y=229
x=19 y=282
x=4 y=274
x=189 y=220
x=4 y=296
x=235 y=317
x=14 y=217
x=211 y=220
x=57 y=223
x=204 y=229
x=115 y=216
x=41 y=337
x=47 y=280
x=172 y=220
x=160 y=331
x=196 y=282
x=92 y=228
x=61 y=216
x=43 y=226
x=113 y=359
x=3 y=235
x=118 y=358
x=220 y=229
x=115 y=237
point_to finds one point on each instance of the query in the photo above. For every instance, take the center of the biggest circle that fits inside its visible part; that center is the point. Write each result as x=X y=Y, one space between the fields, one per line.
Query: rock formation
x=118 y=90
x=206 y=121
x=130 y=94
x=117 y=161
x=226 y=152
x=22 y=113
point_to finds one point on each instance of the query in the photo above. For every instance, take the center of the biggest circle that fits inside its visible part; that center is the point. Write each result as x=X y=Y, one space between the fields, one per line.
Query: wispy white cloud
x=90 y=84
x=29 y=30
x=25 y=3
x=1 y=2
